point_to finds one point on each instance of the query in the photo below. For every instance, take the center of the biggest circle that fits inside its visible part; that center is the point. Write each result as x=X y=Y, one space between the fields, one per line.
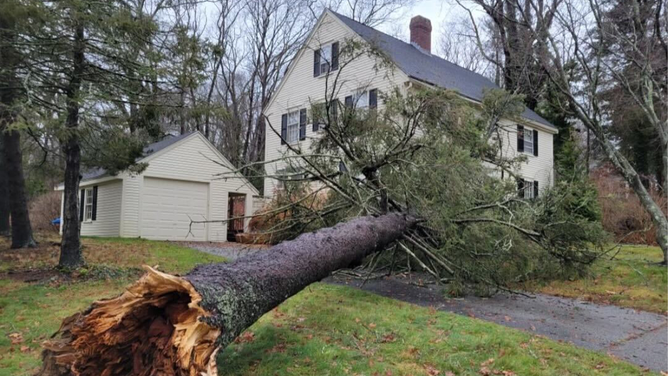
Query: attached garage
x=182 y=181
x=168 y=205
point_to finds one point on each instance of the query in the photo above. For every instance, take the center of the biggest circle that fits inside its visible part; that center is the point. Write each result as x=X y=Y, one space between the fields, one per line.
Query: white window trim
x=88 y=204
x=292 y=127
x=528 y=131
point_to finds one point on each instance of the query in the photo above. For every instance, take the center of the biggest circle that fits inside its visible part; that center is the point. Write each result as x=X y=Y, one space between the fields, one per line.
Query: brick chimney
x=421 y=33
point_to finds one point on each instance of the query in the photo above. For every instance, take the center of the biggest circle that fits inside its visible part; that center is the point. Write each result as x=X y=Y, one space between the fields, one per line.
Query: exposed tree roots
x=165 y=325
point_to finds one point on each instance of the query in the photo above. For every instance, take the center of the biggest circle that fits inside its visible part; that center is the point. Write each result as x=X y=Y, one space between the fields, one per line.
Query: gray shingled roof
x=149 y=149
x=429 y=68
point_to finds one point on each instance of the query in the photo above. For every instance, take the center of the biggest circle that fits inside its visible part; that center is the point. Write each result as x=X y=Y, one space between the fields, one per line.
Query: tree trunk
x=168 y=325
x=70 y=248
x=4 y=193
x=18 y=204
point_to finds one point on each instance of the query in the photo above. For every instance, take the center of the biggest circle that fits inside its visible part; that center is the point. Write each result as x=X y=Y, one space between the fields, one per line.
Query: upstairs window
x=363 y=99
x=527 y=140
x=293 y=127
x=326 y=59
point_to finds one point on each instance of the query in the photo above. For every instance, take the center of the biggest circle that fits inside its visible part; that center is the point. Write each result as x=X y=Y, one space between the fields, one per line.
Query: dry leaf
x=16 y=338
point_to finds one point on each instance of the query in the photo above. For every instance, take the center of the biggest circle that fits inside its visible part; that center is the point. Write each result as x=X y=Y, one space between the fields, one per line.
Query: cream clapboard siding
x=130 y=206
x=192 y=159
x=108 y=219
x=301 y=89
x=537 y=168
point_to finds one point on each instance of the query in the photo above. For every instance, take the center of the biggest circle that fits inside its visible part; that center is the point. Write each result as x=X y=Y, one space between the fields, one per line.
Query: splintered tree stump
x=170 y=325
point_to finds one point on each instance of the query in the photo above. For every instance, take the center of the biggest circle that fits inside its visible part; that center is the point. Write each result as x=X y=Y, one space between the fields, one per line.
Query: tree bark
x=10 y=154
x=70 y=248
x=18 y=203
x=168 y=325
x=5 y=229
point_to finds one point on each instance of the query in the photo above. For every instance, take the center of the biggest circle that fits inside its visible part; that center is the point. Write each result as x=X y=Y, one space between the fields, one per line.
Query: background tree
x=12 y=19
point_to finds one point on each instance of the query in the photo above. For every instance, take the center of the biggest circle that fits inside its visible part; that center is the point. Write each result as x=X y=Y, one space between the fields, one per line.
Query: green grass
x=335 y=330
x=632 y=279
x=324 y=330
x=35 y=310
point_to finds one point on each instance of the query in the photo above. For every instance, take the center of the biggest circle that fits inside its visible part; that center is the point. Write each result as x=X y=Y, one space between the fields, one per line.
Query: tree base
x=151 y=329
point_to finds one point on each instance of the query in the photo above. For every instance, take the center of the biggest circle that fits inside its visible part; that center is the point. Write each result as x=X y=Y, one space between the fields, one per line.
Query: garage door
x=167 y=206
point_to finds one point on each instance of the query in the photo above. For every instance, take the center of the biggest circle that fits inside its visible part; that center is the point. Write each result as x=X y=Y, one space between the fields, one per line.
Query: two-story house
x=412 y=65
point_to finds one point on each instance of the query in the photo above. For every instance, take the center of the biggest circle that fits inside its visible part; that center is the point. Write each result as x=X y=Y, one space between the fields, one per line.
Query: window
x=88 y=205
x=527 y=189
x=319 y=114
x=365 y=99
x=528 y=140
x=326 y=59
x=293 y=127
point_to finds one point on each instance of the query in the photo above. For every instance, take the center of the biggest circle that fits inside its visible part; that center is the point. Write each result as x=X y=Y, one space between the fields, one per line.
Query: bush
x=44 y=209
x=622 y=213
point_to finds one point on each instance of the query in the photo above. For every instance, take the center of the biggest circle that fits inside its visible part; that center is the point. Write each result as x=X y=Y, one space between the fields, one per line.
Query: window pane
x=363 y=99
x=528 y=141
x=293 y=126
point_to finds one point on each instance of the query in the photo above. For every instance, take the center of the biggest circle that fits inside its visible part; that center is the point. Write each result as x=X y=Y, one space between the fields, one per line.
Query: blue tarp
x=56 y=221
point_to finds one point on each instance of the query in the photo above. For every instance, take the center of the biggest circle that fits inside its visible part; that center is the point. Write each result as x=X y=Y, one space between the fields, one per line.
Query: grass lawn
x=324 y=330
x=631 y=279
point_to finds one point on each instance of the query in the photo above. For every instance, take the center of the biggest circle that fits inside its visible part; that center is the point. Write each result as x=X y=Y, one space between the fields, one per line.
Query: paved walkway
x=636 y=336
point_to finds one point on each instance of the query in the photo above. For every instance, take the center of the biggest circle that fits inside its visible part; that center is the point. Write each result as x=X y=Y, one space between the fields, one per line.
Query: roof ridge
x=410 y=44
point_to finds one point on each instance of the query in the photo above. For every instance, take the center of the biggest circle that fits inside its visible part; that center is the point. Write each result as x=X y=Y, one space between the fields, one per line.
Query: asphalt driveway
x=636 y=336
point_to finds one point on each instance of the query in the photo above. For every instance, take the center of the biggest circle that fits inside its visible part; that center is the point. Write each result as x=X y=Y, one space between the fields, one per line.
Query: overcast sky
x=436 y=10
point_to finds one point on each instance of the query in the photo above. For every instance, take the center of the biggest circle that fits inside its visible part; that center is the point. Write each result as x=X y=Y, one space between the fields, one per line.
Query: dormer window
x=326 y=59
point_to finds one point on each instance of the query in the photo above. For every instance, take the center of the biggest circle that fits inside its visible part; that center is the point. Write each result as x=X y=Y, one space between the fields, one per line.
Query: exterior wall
x=300 y=89
x=538 y=168
x=130 y=206
x=108 y=218
x=192 y=159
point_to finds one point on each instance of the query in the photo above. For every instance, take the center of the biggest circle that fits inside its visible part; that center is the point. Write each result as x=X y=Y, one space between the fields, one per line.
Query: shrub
x=622 y=213
x=44 y=209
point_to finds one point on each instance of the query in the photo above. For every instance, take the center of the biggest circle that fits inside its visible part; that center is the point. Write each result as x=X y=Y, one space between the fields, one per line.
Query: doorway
x=236 y=209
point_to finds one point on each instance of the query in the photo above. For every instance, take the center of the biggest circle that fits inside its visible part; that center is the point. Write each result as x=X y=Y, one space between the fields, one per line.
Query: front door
x=236 y=209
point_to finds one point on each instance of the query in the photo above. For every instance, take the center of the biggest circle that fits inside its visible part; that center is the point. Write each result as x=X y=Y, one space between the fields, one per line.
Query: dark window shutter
x=320 y=115
x=520 y=188
x=535 y=142
x=302 y=124
x=535 y=189
x=520 y=139
x=316 y=124
x=82 y=201
x=334 y=110
x=284 y=128
x=373 y=98
x=335 y=55
x=316 y=63
x=94 y=216
x=349 y=101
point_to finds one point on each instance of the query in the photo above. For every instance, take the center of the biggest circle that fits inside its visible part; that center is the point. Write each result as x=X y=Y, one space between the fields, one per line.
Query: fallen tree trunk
x=169 y=325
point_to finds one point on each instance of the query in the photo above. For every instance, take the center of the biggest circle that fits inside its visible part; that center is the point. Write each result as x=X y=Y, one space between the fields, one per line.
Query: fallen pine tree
x=170 y=325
